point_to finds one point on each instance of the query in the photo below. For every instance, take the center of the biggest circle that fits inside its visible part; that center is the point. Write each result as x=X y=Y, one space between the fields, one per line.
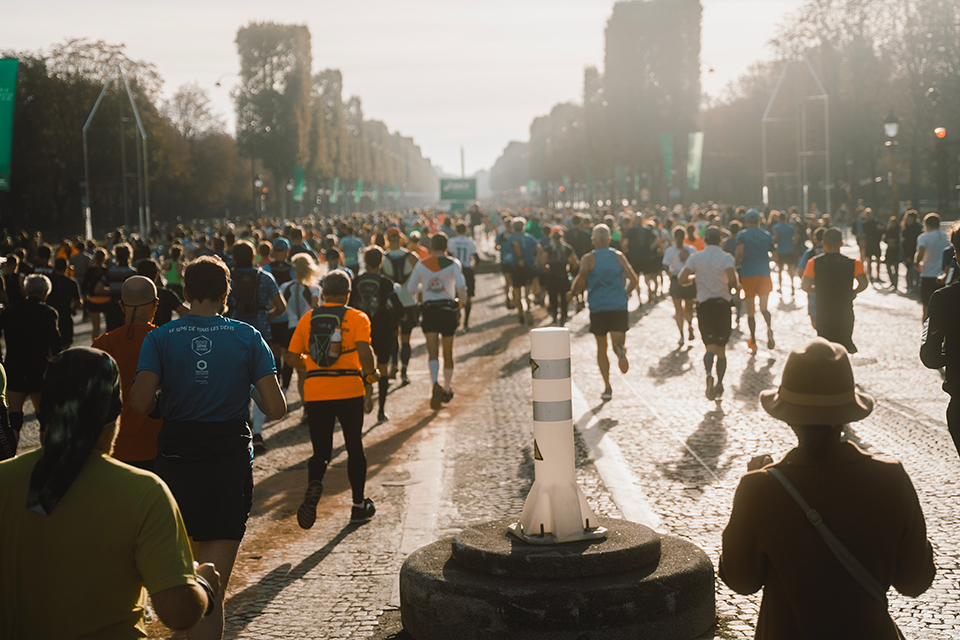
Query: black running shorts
x=604 y=322
x=713 y=318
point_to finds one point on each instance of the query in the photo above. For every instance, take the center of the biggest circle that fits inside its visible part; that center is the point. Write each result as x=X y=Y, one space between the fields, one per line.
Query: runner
x=339 y=338
x=508 y=260
x=558 y=260
x=398 y=267
x=136 y=442
x=376 y=296
x=716 y=281
x=524 y=272
x=603 y=274
x=206 y=365
x=753 y=257
x=465 y=250
x=643 y=250
x=282 y=271
x=254 y=298
x=831 y=276
x=439 y=282
x=785 y=253
x=302 y=294
x=683 y=294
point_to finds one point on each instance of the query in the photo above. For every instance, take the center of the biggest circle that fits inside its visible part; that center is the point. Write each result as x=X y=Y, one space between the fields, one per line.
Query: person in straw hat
x=868 y=506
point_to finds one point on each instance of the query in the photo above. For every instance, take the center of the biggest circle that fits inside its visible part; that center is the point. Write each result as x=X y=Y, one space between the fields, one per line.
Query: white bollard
x=555 y=510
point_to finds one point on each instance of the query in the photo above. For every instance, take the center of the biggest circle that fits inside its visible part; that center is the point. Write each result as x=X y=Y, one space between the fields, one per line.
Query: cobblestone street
x=659 y=452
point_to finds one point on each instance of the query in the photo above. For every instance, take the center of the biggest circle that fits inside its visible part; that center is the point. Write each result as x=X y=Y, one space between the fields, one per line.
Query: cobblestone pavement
x=431 y=474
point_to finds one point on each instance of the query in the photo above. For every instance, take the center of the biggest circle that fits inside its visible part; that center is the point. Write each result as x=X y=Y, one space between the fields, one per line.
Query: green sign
x=694 y=159
x=299 y=184
x=458 y=189
x=335 y=191
x=458 y=206
x=8 y=91
x=666 y=149
x=359 y=190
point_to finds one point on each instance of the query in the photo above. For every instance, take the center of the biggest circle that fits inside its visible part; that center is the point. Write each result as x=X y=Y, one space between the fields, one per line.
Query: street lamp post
x=891 y=127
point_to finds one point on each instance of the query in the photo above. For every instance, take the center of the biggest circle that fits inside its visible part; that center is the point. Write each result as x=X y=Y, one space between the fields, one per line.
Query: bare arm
x=739 y=254
x=685 y=276
x=807 y=284
x=921 y=254
x=861 y=284
x=580 y=282
x=266 y=393
x=733 y=279
x=367 y=364
x=181 y=607
x=278 y=307
x=628 y=272
x=143 y=393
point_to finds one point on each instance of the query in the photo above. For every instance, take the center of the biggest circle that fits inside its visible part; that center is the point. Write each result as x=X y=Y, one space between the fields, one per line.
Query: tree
x=191 y=113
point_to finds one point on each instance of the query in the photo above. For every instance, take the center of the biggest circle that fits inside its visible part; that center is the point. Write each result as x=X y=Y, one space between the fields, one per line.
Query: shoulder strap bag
x=847 y=559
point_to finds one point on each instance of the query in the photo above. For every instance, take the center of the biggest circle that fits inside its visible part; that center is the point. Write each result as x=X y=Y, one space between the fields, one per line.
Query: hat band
x=817 y=399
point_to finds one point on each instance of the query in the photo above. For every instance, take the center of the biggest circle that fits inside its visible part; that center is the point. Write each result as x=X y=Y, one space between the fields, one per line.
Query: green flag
x=666 y=149
x=8 y=91
x=335 y=191
x=299 y=184
x=396 y=192
x=358 y=191
x=694 y=159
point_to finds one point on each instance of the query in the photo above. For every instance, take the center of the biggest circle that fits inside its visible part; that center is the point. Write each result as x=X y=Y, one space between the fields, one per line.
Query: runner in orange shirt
x=338 y=338
x=136 y=442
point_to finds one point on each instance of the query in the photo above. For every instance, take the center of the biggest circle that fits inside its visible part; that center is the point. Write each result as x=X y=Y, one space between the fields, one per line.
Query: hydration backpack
x=398 y=267
x=246 y=292
x=326 y=341
x=368 y=292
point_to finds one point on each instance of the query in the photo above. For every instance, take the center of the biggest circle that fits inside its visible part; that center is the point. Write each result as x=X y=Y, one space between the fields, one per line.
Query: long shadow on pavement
x=671 y=365
x=281 y=496
x=753 y=381
x=250 y=603
x=709 y=442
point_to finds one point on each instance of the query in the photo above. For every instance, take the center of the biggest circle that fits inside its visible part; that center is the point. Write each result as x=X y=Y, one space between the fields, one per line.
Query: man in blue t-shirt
x=524 y=272
x=508 y=260
x=350 y=246
x=785 y=250
x=754 y=246
x=205 y=366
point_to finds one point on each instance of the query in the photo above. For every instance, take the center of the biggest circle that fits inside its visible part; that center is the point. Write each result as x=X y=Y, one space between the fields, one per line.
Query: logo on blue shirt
x=202 y=345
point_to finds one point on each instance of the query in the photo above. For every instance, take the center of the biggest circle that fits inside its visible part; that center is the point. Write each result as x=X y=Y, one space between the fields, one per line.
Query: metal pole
x=803 y=156
x=145 y=184
x=826 y=128
x=88 y=224
x=146 y=189
x=140 y=187
x=894 y=192
x=123 y=165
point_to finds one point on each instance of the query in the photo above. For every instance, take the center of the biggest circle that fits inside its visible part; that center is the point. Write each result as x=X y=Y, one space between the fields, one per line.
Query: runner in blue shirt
x=205 y=366
x=785 y=249
x=754 y=246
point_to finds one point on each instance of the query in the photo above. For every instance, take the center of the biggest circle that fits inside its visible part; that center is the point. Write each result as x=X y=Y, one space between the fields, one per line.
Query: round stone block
x=489 y=548
x=670 y=600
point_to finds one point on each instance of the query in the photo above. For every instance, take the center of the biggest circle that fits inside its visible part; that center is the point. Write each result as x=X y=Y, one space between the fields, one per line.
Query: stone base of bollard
x=484 y=584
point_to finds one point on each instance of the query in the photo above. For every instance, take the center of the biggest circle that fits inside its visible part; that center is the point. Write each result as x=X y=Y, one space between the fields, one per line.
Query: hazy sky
x=447 y=72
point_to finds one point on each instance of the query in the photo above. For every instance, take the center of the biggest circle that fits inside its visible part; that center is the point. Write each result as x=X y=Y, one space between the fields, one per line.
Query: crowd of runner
x=207 y=323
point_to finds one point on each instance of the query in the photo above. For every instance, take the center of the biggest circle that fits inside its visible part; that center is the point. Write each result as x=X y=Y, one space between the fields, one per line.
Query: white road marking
x=623 y=485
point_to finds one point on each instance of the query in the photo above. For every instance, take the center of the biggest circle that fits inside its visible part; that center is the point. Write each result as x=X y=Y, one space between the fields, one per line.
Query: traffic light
x=943 y=165
x=941 y=133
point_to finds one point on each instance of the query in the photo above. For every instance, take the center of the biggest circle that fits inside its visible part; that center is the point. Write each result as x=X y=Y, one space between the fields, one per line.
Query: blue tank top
x=605 y=283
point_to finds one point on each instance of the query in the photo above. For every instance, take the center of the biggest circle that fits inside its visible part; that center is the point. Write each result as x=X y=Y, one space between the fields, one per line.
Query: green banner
x=694 y=159
x=458 y=206
x=396 y=192
x=531 y=187
x=458 y=189
x=8 y=91
x=621 y=172
x=666 y=149
x=358 y=192
x=299 y=184
x=335 y=191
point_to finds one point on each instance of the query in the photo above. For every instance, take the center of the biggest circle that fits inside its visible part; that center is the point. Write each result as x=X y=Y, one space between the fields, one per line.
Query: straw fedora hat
x=817 y=388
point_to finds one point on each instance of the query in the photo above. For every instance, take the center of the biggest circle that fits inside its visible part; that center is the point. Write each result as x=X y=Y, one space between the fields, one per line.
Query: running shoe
x=621 y=352
x=259 y=448
x=717 y=391
x=393 y=371
x=771 y=343
x=307 y=513
x=404 y=379
x=711 y=390
x=690 y=335
x=367 y=397
x=752 y=345
x=447 y=396
x=362 y=514
x=510 y=304
x=521 y=319
x=437 y=397
x=382 y=417
x=607 y=394
x=529 y=318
